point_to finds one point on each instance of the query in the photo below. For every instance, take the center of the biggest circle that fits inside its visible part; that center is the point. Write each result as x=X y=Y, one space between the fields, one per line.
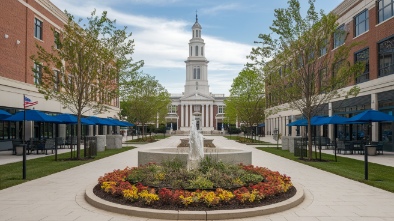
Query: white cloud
x=218 y=8
x=163 y=45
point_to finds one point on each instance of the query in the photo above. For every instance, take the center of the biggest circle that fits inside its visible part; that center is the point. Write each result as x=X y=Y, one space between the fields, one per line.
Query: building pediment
x=197 y=97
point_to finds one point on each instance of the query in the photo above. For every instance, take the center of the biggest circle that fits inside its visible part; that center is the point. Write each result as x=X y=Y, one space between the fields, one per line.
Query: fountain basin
x=185 y=142
x=233 y=156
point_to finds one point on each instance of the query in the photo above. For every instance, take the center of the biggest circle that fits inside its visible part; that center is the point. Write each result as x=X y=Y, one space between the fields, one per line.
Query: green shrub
x=200 y=183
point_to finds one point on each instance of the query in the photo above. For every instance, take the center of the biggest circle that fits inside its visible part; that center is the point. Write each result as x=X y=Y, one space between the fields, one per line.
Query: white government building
x=196 y=100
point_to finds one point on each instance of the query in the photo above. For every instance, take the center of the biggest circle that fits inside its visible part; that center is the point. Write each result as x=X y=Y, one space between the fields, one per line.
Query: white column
x=206 y=116
x=374 y=106
x=182 y=116
x=191 y=115
x=187 y=116
x=330 y=126
x=202 y=116
x=211 y=113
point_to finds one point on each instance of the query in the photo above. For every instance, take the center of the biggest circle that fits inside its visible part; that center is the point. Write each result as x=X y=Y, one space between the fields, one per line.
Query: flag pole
x=23 y=139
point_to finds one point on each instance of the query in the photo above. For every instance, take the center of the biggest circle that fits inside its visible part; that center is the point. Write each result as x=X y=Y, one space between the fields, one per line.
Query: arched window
x=191 y=51
x=196 y=72
x=193 y=33
x=199 y=33
x=196 y=50
x=202 y=51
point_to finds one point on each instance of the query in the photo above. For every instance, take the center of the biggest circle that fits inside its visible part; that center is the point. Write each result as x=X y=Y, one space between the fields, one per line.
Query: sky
x=161 y=30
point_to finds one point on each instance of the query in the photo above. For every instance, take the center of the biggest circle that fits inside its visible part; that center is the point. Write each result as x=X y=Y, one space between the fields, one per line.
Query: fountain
x=196 y=147
x=190 y=155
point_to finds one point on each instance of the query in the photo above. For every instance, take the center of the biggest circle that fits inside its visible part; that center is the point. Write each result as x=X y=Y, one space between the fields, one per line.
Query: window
x=202 y=51
x=37 y=73
x=172 y=109
x=386 y=57
x=363 y=56
x=196 y=50
x=323 y=47
x=336 y=67
x=56 y=39
x=196 y=86
x=196 y=108
x=385 y=9
x=221 y=109
x=57 y=78
x=361 y=23
x=323 y=78
x=196 y=72
x=37 y=28
x=191 y=51
x=339 y=36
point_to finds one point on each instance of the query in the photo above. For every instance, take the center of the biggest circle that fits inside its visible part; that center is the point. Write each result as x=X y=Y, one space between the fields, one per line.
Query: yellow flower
x=148 y=197
x=108 y=186
x=131 y=194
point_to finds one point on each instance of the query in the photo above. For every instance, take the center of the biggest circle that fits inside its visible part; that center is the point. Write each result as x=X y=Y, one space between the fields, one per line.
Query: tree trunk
x=78 y=136
x=309 y=139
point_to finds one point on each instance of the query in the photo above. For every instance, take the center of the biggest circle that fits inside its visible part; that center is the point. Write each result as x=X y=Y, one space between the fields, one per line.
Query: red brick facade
x=17 y=22
x=377 y=32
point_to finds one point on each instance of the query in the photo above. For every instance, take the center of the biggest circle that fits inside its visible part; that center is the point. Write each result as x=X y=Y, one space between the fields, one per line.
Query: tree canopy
x=246 y=101
x=145 y=100
x=83 y=69
x=300 y=69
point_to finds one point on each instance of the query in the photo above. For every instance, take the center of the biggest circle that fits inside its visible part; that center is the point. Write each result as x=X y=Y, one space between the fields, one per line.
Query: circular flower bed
x=214 y=185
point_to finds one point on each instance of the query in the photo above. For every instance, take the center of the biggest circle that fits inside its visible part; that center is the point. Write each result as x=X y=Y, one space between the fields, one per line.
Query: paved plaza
x=60 y=196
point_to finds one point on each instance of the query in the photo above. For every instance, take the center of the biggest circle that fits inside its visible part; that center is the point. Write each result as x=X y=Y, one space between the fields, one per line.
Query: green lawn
x=248 y=140
x=11 y=174
x=378 y=175
x=147 y=138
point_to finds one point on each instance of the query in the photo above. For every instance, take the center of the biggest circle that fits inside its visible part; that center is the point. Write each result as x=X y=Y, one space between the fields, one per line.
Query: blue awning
x=100 y=121
x=117 y=122
x=33 y=115
x=4 y=114
x=261 y=125
x=72 y=119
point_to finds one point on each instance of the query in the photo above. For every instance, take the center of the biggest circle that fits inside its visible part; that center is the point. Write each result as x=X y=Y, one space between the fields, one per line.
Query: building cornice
x=49 y=6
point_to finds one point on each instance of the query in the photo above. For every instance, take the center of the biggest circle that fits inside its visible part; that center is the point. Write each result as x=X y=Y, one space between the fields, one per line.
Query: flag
x=27 y=102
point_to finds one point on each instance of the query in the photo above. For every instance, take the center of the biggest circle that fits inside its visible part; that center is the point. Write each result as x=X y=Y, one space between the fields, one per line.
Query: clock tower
x=196 y=102
x=196 y=64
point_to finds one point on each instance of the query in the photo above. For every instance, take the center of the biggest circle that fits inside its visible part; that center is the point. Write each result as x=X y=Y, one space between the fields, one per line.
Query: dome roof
x=196 y=25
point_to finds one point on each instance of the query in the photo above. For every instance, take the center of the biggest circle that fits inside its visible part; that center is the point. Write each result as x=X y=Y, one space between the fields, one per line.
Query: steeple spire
x=196 y=16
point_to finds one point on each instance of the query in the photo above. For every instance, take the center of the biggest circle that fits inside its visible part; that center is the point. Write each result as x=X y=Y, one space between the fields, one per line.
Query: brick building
x=372 y=22
x=23 y=24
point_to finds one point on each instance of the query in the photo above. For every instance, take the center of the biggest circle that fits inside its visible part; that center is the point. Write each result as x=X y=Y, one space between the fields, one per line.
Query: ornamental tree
x=83 y=68
x=246 y=101
x=144 y=100
x=300 y=70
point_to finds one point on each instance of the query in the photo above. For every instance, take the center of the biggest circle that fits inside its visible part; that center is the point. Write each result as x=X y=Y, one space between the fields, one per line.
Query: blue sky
x=162 y=29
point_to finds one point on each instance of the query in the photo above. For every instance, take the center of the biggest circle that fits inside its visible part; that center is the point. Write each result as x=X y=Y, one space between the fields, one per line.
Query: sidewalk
x=60 y=196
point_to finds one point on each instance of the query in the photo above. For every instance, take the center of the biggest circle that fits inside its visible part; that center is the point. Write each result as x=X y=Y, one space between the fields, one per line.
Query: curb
x=95 y=201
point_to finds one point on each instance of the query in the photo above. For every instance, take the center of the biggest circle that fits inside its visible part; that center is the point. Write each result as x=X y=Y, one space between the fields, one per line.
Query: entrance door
x=198 y=123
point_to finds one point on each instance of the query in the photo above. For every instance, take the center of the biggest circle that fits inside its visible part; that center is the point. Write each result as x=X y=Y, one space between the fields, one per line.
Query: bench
x=6 y=145
x=48 y=145
x=322 y=142
x=345 y=147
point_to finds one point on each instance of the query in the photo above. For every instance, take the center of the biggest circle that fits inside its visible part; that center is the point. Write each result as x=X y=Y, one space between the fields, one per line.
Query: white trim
x=41 y=15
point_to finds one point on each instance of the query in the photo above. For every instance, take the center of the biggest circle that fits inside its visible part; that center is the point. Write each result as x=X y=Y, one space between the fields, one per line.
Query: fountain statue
x=196 y=146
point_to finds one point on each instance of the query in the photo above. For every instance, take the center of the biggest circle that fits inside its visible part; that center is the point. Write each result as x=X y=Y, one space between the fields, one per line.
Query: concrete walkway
x=328 y=197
